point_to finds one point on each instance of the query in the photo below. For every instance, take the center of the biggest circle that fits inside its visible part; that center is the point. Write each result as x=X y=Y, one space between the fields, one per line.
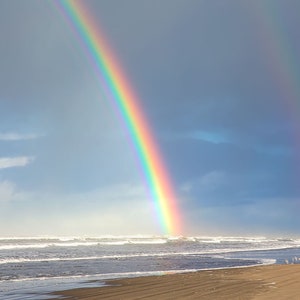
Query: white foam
x=148 y=241
x=45 y=245
x=53 y=259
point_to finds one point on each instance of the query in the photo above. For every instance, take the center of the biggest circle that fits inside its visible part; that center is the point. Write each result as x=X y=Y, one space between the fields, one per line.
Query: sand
x=276 y=282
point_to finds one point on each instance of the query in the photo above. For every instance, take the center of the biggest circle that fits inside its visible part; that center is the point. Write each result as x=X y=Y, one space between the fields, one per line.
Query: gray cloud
x=215 y=100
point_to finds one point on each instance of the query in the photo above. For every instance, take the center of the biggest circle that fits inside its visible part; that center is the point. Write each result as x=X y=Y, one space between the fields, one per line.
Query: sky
x=219 y=84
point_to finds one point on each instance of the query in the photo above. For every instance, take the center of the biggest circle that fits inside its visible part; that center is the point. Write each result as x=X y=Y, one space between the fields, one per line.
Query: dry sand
x=276 y=282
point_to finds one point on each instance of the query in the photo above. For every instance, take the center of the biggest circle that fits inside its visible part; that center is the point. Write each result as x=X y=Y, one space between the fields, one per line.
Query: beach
x=259 y=282
x=129 y=267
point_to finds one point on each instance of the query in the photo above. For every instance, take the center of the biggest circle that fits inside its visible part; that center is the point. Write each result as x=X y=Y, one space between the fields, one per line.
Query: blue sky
x=209 y=75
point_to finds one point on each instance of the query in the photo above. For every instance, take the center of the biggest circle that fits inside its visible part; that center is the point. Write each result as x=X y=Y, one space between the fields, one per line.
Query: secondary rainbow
x=118 y=89
x=281 y=59
x=279 y=54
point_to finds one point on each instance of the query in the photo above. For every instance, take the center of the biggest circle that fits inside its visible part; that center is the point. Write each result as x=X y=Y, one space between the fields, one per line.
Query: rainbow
x=117 y=88
x=278 y=54
x=280 y=58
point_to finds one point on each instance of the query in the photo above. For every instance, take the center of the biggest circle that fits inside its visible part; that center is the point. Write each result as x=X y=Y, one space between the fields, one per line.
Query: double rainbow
x=117 y=88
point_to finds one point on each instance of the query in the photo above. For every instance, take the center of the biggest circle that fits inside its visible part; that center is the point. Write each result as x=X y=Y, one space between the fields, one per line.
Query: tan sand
x=276 y=282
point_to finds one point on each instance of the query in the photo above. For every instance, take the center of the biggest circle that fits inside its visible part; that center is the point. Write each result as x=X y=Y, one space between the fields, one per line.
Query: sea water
x=32 y=267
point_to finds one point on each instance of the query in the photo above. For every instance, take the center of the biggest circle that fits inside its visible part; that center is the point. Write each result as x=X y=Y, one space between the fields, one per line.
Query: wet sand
x=276 y=282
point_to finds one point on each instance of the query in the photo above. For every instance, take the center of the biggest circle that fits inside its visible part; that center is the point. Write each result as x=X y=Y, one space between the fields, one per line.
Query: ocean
x=30 y=268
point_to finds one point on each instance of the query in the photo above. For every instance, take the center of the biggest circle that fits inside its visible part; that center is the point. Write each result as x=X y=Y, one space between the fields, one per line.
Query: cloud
x=13 y=136
x=208 y=182
x=7 y=191
x=212 y=137
x=19 y=161
x=262 y=215
x=115 y=209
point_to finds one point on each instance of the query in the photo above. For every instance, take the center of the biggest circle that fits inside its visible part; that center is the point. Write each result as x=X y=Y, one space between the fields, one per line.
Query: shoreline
x=254 y=282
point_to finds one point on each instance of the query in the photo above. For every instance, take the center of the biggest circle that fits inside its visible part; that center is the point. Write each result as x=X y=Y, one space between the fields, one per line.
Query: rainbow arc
x=118 y=89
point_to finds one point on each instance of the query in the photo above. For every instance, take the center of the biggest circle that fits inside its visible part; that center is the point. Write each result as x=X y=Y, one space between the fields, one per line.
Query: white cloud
x=19 y=161
x=7 y=191
x=13 y=136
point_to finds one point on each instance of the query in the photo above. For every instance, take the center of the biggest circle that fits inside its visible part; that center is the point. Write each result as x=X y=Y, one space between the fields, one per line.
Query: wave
x=83 y=238
x=102 y=276
x=105 y=276
x=61 y=259
x=204 y=253
x=45 y=245
x=44 y=242
x=103 y=237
